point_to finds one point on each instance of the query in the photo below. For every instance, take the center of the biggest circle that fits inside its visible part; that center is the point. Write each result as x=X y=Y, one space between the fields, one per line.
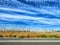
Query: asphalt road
x=30 y=42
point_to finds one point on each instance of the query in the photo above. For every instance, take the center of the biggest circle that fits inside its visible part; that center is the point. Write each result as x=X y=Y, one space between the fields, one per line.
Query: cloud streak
x=30 y=16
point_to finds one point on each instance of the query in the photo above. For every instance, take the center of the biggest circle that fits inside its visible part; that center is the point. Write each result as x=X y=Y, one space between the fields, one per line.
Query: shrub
x=38 y=36
x=53 y=36
x=28 y=36
x=43 y=36
x=14 y=36
x=1 y=36
x=22 y=36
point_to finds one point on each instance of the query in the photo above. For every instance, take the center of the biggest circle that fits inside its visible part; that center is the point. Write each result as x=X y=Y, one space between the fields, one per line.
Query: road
x=29 y=41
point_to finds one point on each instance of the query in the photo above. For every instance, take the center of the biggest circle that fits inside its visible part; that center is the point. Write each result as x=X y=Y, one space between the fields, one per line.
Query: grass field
x=28 y=34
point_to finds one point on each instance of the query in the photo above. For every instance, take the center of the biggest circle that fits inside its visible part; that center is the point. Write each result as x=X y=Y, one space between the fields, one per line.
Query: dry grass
x=18 y=34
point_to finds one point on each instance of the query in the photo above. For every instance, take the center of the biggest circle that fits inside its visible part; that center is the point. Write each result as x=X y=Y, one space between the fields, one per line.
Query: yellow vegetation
x=22 y=34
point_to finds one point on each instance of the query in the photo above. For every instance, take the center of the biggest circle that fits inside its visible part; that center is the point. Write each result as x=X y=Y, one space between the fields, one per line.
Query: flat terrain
x=27 y=34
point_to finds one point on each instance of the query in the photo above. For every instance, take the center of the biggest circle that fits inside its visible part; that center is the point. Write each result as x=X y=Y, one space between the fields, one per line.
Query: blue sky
x=38 y=14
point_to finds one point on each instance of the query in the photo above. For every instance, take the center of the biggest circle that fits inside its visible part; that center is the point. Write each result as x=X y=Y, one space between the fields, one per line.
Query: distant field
x=27 y=34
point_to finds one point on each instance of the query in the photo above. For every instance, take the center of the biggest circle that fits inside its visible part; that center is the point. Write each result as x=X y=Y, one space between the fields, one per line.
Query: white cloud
x=9 y=17
x=16 y=17
x=54 y=12
x=17 y=10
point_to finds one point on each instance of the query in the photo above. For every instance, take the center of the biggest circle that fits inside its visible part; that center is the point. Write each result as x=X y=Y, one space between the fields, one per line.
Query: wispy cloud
x=30 y=16
x=9 y=17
